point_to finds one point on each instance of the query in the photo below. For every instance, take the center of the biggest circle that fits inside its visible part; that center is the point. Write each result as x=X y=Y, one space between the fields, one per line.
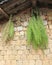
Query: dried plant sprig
x=8 y=31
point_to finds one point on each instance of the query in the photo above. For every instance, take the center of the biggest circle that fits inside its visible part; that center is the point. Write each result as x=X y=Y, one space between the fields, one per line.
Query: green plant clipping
x=36 y=33
x=8 y=31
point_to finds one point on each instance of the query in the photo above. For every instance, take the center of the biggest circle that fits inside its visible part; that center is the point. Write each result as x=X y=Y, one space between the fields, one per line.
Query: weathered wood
x=20 y=7
x=2 y=12
x=13 y=5
x=16 y=6
x=10 y=2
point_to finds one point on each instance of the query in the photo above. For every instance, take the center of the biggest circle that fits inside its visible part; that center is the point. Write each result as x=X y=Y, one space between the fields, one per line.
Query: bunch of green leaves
x=36 y=33
x=8 y=31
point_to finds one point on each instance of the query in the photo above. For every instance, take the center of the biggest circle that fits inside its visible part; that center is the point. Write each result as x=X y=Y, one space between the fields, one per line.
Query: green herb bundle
x=8 y=31
x=36 y=33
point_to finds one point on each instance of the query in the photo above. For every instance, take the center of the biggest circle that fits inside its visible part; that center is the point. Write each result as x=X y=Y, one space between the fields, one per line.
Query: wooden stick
x=4 y=13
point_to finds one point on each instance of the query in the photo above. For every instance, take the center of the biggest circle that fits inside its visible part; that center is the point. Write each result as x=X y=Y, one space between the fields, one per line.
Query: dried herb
x=8 y=31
